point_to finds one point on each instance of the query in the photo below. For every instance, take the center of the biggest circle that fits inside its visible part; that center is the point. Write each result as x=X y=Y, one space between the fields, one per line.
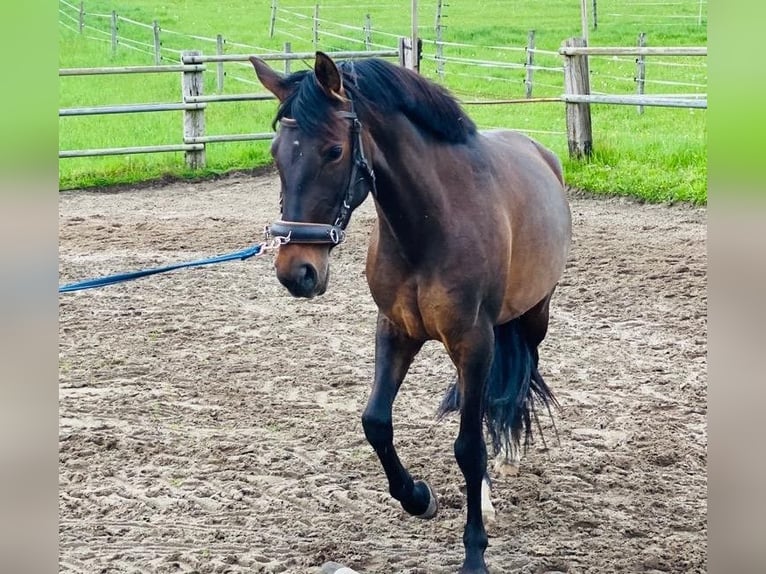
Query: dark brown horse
x=472 y=236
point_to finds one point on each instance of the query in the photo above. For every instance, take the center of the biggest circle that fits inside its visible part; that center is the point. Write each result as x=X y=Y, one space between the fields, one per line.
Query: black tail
x=513 y=387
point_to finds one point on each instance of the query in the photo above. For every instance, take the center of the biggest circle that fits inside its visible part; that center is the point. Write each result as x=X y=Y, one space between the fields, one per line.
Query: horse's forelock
x=307 y=104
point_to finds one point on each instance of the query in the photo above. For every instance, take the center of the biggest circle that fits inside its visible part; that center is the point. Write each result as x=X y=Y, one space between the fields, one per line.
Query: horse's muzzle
x=303 y=269
x=303 y=281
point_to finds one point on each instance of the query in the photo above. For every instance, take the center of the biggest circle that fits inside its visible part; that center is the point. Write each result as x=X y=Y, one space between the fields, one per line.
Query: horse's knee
x=461 y=447
x=471 y=455
x=378 y=429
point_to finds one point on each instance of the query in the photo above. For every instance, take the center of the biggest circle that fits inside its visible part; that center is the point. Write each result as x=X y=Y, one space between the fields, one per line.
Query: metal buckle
x=337 y=235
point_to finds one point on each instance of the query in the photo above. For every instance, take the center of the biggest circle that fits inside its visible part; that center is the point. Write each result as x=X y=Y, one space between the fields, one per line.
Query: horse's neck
x=410 y=202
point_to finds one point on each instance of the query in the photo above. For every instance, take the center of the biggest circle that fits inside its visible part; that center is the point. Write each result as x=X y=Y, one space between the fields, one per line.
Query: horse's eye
x=334 y=152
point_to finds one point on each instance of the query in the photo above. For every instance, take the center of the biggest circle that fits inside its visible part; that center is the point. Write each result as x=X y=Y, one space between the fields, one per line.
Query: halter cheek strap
x=322 y=233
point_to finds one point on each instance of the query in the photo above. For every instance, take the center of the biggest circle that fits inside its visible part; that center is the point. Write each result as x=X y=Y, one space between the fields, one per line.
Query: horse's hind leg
x=394 y=352
x=535 y=321
x=472 y=355
x=508 y=460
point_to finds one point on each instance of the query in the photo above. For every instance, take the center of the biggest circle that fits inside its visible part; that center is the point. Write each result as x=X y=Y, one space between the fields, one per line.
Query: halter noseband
x=322 y=233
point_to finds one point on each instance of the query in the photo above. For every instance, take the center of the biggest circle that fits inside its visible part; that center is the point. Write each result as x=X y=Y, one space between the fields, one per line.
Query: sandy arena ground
x=210 y=423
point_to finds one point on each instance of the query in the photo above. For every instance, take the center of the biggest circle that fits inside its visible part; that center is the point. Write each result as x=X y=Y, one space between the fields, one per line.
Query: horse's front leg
x=394 y=352
x=472 y=355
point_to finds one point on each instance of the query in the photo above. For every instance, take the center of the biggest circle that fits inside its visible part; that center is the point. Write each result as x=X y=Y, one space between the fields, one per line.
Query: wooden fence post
x=406 y=53
x=640 y=70
x=219 y=68
x=595 y=15
x=415 y=43
x=194 y=120
x=157 y=44
x=439 y=41
x=81 y=17
x=367 y=32
x=114 y=33
x=316 y=27
x=288 y=50
x=529 y=64
x=577 y=82
x=273 y=19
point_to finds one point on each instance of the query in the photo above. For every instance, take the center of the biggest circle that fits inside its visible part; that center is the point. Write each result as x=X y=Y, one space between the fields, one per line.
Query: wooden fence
x=194 y=101
x=577 y=96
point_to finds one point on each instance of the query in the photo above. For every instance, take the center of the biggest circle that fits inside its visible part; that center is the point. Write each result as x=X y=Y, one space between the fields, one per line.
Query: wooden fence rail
x=129 y=150
x=129 y=109
x=130 y=70
x=636 y=100
x=282 y=56
x=633 y=51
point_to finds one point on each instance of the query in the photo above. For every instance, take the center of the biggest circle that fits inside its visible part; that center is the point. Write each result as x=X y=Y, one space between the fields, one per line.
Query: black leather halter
x=322 y=233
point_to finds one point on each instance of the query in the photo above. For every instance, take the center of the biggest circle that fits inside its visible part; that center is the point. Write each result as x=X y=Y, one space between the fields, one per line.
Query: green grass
x=660 y=155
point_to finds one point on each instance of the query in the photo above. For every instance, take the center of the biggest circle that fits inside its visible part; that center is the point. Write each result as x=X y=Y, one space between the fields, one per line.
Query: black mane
x=381 y=88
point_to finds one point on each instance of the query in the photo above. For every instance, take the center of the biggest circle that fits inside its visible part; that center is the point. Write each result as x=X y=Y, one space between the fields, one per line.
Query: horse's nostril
x=307 y=277
x=301 y=279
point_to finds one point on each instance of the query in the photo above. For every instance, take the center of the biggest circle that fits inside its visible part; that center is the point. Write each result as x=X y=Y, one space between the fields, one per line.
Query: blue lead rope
x=120 y=277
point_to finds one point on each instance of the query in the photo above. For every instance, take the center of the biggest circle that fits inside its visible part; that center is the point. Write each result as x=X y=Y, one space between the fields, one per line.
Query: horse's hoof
x=480 y=568
x=433 y=504
x=335 y=568
x=506 y=468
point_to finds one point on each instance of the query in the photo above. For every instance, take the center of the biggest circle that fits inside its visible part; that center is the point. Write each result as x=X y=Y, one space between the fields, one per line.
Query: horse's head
x=324 y=174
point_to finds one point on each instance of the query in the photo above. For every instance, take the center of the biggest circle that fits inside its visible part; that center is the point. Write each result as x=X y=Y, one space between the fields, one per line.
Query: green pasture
x=660 y=155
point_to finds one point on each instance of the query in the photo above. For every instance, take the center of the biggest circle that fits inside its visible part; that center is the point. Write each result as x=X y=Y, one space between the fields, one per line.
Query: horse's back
x=529 y=184
x=517 y=149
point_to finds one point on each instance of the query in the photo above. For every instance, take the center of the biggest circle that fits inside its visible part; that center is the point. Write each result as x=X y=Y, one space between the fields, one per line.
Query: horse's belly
x=516 y=304
x=530 y=283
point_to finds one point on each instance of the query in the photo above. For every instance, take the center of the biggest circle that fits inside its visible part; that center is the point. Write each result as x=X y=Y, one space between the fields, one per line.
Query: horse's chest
x=418 y=310
x=405 y=312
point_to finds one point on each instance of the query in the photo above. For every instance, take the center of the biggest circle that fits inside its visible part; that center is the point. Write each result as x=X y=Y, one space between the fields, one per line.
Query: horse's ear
x=328 y=76
x=272 y=80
